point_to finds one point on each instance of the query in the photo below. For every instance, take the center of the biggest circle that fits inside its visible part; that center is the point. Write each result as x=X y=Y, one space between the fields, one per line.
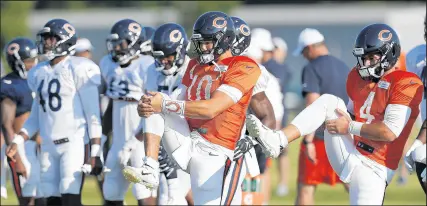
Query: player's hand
x=11 y=151
x=145 y=109
x=156 y=101
x=19 y=167
x=339 y=125
x=242 y=146
x=408 y=159
x=311 y=152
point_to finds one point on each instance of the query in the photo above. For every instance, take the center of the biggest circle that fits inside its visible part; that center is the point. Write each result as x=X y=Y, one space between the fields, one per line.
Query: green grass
x=409 y=194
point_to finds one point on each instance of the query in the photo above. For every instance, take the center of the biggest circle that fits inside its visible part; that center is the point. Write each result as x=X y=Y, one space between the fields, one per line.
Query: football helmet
x=169 y=40
x=17 y=51
x=378 y=39
x=215 y=27
x=147 y=35
x=243 y=36
x=57 y=38
x=125 y=41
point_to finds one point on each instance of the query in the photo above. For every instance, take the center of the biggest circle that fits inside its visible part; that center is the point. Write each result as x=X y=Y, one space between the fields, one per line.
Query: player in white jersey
x=123 y=71
x=164 y=75
x=66 y=106
x=415 y=157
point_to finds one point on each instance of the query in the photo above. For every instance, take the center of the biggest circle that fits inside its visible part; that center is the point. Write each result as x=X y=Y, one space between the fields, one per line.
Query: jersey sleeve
x=8 y=91
x=407 y=91
x=310 y=81
x=87 y=73
x=242 y=76
x=262 y=82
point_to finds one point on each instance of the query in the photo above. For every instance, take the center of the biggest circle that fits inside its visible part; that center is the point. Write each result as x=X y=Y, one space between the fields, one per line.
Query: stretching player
x=170 y=44
x=217 y=88
x=384 y=103
x=16 y=99
x=66 y=89
x=123 y=71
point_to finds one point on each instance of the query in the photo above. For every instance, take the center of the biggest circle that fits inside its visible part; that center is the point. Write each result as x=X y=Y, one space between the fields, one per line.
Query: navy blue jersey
x=16 y=89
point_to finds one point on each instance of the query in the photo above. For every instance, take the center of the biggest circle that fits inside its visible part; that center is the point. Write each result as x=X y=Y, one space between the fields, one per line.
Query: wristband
x=95 y=150
x=355 y=128
x=18 y=139
x=173 y=106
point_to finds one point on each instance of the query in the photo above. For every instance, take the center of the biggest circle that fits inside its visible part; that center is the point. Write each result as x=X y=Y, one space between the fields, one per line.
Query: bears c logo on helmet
x=12 y=48
x=219 y=22
x=135 y=28
x=385 y=35
x=244 y=29
x=175 y=36
x=70 y=29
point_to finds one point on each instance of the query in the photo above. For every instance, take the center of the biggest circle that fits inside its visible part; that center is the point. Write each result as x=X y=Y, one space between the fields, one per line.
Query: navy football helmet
x=243 y=36
x=57 y=38
x=147 y=35
x=125 y=41
x=169 y=40
x=215 y=27
x=18 y=52
x=376 y=39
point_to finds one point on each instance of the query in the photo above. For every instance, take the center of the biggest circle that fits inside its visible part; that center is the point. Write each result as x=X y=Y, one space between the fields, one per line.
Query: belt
x=61 y=141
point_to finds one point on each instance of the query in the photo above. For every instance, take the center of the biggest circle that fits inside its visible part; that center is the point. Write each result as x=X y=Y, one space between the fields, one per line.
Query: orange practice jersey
x=202 y=80
x=370 y=101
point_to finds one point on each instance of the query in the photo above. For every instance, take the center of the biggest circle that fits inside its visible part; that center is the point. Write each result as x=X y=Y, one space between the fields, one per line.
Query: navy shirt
x=325 y=75
x=16 y=89
x=280 y=71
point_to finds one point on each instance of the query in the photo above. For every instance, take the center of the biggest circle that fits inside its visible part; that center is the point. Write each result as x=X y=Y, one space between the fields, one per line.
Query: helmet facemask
x=172 y=66
x=122 y=50
x=208 y=56
x=379 y=66
x=49 y=44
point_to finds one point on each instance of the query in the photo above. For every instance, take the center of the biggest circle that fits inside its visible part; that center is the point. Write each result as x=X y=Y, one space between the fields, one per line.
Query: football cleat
x=272 y=142
x=147 y=175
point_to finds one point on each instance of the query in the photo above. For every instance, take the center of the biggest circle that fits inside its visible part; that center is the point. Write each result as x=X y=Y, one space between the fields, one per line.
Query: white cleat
x=144 y=175
x=272 y=142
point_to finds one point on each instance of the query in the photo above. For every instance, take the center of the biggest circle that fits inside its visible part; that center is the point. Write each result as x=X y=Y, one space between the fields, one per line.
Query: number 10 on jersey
x=53 y=88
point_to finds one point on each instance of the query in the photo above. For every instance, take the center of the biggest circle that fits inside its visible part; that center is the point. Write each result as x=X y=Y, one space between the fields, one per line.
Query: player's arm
x=406 y=94
x=263 y=110
x=8 y=109
x=239 y=80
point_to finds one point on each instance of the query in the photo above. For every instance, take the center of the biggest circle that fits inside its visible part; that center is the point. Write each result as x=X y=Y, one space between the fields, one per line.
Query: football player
x=215 y=93
x=170 y=44
x=415 y=158
x=259 y=105
x=66 y=106
x=16 y=99
x=123 y=71
x=364 y=145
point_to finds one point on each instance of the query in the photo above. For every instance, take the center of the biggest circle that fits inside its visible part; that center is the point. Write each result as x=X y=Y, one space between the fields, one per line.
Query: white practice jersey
x=59 y=107
x=415 y=62
x=159 y=82
x=125 y=86
x=125 y=83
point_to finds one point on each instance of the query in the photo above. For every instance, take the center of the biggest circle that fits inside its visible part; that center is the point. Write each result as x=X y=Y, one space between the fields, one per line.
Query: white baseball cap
x=280 y=43
x=263 y=38
x=308 y=37
x=83 y=44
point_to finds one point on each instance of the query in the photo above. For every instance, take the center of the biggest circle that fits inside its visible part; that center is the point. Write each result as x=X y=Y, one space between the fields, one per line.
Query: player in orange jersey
x=203 y=126
x=365 y=144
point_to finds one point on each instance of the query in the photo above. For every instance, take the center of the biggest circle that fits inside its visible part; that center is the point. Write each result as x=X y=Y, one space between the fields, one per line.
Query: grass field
x=409 y=194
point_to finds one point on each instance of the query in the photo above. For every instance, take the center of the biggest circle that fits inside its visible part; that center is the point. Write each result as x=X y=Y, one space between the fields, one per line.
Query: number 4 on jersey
x=366 y=108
